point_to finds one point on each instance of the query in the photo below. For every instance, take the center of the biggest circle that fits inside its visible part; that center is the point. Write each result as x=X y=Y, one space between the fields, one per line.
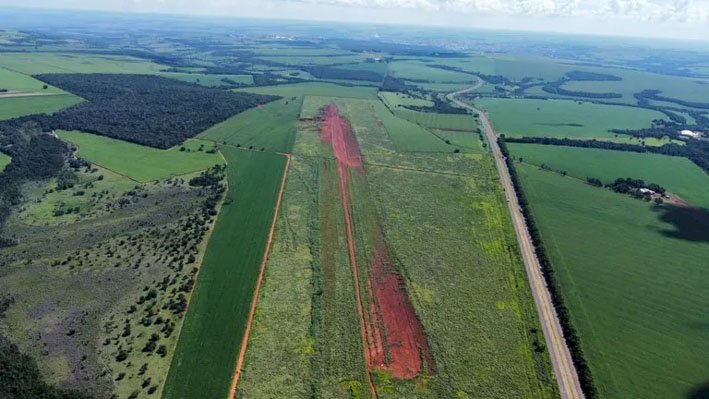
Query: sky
x=683 y=19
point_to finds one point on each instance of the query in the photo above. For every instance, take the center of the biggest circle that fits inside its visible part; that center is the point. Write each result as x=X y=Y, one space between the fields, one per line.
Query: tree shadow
x=699 y=392
x=690 y=224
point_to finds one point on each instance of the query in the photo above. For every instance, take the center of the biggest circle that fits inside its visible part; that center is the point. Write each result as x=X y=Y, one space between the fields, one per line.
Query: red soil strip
x=254 y=301
x=391 y=333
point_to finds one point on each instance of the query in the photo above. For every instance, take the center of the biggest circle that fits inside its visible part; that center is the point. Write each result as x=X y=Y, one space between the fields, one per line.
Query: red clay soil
x=393 y=335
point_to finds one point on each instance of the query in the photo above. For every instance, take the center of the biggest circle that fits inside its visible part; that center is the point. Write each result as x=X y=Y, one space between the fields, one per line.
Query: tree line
x=570 y=335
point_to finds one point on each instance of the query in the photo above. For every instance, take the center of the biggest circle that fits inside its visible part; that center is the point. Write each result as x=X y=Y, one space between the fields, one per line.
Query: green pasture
x=415 y=70
x=205 y=357
x=408 y=136
x=209 y=80
x=395 y=99
x=563 y=118
x=13 y=107
x=15 y=81
x=271 y=126
x=318 y=59
x=315 y=89
x=37 y=63
x=633 y=276
x=677 y=174
x=4 y=161
x=142 y=163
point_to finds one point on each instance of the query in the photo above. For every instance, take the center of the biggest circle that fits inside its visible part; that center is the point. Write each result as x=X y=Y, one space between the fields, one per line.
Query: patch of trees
x=3 y=90
x=492 y=79
x=439 y=107
x=392 y=83
x=144 y=109
x=35 y=156
x=634 y=187
x=20 y=377
x=696 y=151
x=655 y=95
x=570 y=334
x=328 y=72
x=555 y=88
x=591 y=76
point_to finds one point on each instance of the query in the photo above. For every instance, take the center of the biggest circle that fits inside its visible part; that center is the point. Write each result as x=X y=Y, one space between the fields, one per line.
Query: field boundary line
x=259 y=282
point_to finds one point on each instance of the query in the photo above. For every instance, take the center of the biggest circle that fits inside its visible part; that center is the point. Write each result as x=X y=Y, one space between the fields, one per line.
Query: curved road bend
x=564 y=369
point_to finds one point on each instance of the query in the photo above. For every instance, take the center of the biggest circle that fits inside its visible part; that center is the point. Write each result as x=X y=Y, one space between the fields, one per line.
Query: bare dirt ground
x=392 y=333
x=11 y=94
x=566 y=376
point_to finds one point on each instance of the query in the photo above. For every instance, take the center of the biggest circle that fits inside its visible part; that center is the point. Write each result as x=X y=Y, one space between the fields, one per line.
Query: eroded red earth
x=392 y=333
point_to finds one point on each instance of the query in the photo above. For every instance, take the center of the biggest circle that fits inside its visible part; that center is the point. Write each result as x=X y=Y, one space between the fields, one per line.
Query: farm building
x=690 y=134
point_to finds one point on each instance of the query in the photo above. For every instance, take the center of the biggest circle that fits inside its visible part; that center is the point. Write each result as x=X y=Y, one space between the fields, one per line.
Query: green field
x=15 y=81
x=4 y=161
x=394 y=100
x=207 y=351
x=210 y=80
x=142 y=163
x=415 y=70
x=677 y=174
x=315 y=89
x=563 y=118
x=408 y=136
x=37 y=63
x=271 y=126
x=634 y=282
x=13 y=107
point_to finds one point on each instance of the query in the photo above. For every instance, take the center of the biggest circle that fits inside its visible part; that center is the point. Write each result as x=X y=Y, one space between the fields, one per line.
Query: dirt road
x=567 y=379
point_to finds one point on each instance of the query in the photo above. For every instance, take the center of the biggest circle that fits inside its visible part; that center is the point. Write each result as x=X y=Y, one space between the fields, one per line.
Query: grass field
x=677 y=174
x=142 y=163
x=13 y=107
x=563 y=118
x=271 y=126
x=408 y=136
x=206 y=354
x=394 y=100
x=634 y=283
x=414 y=70
x=315 y=89
x=37 y=63
x=15 y=81
x=210 y=80
x=4 y=161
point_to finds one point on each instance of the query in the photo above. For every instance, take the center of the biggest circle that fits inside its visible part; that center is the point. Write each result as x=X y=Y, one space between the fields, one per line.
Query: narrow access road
x=566 y=376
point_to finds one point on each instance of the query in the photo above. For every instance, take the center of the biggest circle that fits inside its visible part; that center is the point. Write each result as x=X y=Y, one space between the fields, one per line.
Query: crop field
x=141 y=163
x=271 y=126
x=215 y=322
x=13 y=107
x=634 y=281
x=563 y=118
x=315 y=89
x=37 y=63
x=395 y=100
x=408 y=136
x=678 y=175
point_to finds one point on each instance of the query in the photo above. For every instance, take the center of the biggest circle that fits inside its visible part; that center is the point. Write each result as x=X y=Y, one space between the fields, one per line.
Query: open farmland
x=216 y=319
x=633 y=279
x=563 y=118
x=271 y=127
x=315 y=89
x=37 y=63
x=14 y=107
x=17 y=82
x=141 y=163
x=678 y=175
x=310 y=258
x=418 y=71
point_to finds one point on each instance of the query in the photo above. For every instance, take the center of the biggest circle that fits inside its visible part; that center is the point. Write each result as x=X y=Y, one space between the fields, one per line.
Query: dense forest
x=145 y=109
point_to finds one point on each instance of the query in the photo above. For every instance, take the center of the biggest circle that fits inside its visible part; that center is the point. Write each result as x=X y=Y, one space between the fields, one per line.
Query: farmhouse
x=646 y=191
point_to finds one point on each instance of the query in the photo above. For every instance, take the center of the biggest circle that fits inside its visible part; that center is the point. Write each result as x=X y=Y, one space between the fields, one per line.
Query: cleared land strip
x=569 y=387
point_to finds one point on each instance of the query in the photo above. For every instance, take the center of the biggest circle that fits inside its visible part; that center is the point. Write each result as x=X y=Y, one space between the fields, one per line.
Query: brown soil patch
x=12 y=94
x=392 y=334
